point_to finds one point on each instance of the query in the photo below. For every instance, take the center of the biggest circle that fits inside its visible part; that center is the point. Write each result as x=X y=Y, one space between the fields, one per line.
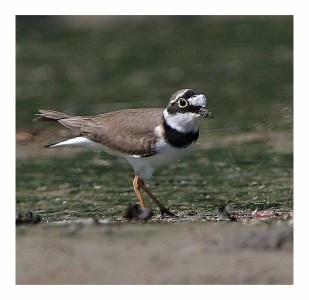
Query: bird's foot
x=166 y=211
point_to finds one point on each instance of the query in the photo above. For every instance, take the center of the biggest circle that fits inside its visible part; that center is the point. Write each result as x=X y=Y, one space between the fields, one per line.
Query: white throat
x=186 y=122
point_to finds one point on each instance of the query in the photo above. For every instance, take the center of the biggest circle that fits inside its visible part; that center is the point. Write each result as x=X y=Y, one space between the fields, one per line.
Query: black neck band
x=179 y=139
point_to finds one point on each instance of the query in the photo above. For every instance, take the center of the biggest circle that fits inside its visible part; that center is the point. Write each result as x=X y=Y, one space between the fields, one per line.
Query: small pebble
x=134 y=211
x=27 y=218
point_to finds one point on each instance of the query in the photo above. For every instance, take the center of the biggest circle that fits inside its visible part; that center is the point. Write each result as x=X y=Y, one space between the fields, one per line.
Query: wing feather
x=131 y=131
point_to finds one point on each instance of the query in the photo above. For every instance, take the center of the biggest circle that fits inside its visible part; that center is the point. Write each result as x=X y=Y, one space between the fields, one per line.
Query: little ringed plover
x=147 y=138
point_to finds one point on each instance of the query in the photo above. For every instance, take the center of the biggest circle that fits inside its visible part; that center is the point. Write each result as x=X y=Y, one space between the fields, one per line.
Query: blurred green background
x=93 y=64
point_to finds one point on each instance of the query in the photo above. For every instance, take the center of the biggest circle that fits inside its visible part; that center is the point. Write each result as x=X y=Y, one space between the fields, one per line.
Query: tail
x=50 y=115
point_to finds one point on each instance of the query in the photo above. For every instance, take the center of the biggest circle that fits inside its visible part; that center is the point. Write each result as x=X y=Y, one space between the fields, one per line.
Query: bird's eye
x=182 y=103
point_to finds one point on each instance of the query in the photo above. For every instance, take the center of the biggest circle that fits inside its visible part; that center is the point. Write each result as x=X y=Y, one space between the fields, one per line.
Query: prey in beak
x=203 y=112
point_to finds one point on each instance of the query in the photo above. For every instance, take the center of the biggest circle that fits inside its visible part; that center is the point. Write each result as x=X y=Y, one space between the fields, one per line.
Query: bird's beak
x=205 y=113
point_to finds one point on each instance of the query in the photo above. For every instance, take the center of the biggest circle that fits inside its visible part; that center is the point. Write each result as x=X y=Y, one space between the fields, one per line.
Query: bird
x=146 y=137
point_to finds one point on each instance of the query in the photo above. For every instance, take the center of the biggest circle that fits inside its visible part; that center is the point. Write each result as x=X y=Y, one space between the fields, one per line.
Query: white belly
x=166 y=154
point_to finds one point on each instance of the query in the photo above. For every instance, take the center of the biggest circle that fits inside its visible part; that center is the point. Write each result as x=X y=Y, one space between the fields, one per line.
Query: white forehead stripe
x=198 y=100
x=177 y=96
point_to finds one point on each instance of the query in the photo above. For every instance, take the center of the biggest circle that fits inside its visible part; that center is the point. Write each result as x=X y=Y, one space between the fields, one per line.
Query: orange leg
x=138 y=184
x=137 y=188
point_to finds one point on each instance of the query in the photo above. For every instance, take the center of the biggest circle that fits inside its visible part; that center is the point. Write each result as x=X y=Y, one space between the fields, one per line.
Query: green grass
x=77 y=187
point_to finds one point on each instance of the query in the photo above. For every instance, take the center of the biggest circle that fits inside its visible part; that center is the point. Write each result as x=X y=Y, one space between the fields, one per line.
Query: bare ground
x=139 y=253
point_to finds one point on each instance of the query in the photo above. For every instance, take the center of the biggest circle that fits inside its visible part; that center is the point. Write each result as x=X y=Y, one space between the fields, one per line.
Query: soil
x=88 y=252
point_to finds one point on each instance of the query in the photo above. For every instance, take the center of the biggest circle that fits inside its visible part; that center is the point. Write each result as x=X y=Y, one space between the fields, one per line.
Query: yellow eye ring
x=182 y=103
